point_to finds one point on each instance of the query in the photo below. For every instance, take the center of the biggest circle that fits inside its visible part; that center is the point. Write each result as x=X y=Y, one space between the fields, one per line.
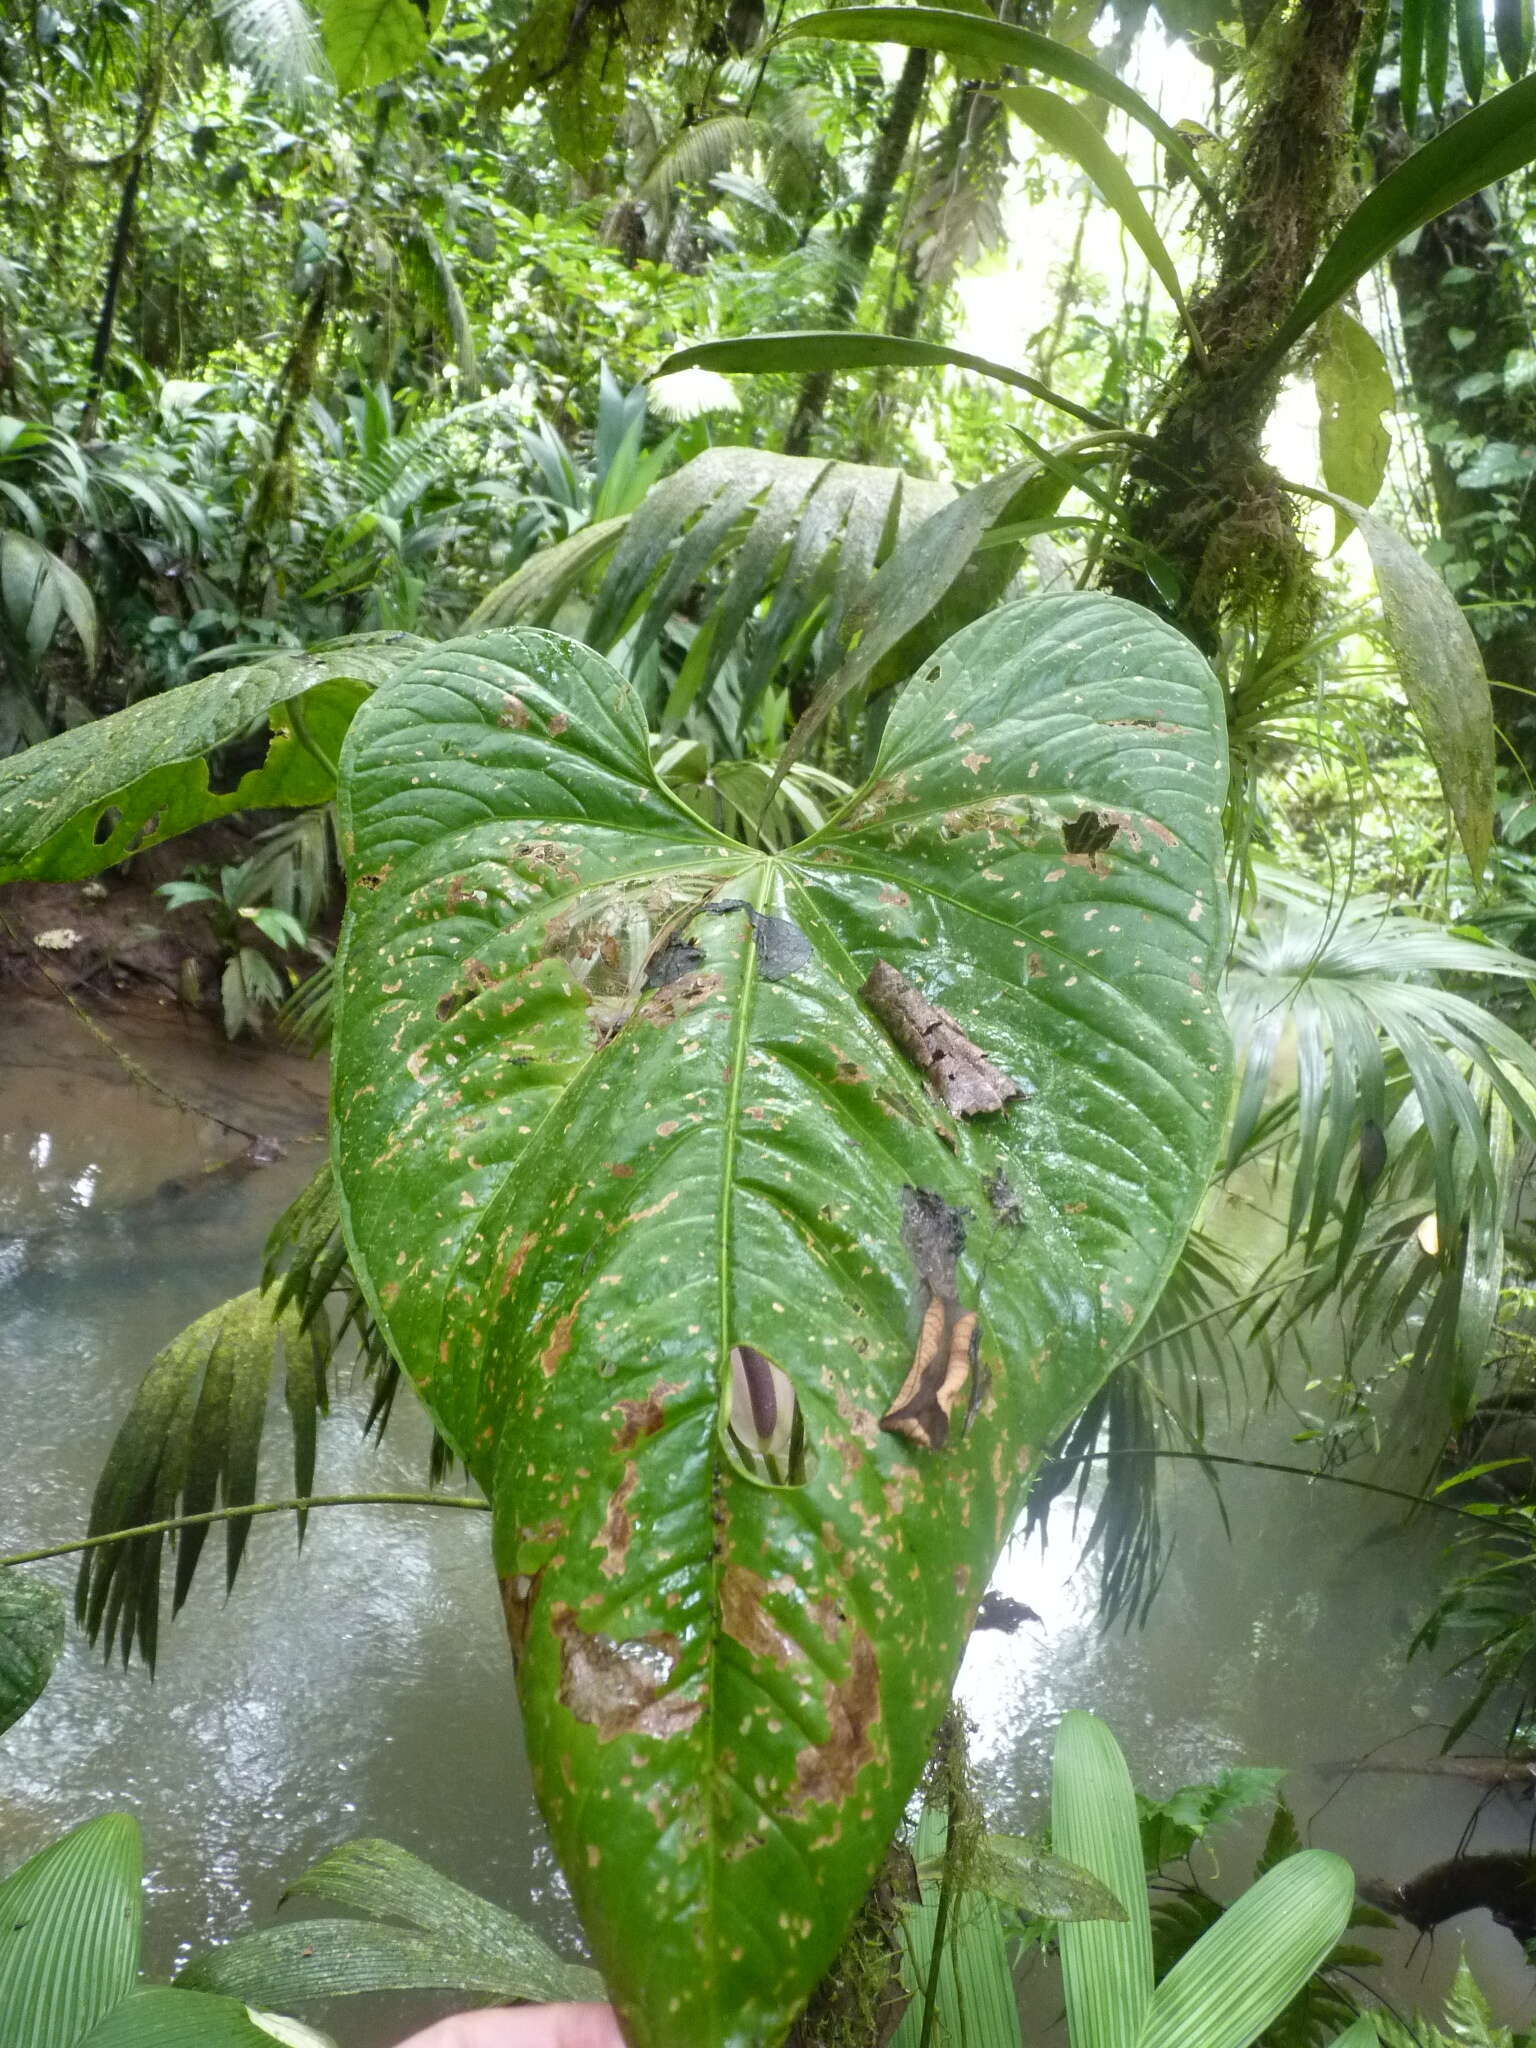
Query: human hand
x=529 y=2026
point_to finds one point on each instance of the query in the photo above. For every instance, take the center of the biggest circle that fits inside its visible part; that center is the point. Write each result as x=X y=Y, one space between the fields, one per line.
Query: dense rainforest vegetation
x=845 y=662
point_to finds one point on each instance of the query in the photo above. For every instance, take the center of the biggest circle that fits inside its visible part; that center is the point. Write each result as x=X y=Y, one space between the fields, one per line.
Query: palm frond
x=277 y=39
x=1352 y=992
x=190 y=1441
x=695 y=154
x=802 y=538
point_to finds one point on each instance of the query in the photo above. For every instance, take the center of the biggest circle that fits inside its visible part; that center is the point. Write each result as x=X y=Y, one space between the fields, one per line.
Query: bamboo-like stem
x=300 y=1505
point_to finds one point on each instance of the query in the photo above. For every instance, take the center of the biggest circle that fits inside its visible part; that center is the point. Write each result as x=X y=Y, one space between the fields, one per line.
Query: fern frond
x=695 y=154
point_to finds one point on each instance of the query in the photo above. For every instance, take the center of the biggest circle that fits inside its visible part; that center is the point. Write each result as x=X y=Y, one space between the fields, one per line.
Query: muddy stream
x=362 y=1686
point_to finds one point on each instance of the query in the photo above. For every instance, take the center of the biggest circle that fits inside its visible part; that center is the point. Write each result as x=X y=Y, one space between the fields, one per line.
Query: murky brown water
x=363 y=1686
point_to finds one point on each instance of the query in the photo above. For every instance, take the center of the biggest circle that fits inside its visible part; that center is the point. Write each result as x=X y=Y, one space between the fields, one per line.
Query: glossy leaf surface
x=597 y=1144
x=87 y=799
x=1487 y=144
x=803 y=354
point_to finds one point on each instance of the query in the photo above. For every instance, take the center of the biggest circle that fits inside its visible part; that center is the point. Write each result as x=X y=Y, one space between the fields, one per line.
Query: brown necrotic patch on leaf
x=746 y=1620
x=618 y=1525
x=825 y=1773
x=559 y=1341
x=644 y=1416
x=678 y=998
x=621 y=1688
x=955 y=1068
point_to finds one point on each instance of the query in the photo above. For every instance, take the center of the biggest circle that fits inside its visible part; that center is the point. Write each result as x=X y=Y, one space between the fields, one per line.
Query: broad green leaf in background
x=1064 y=128
x=1106 y=1965
x=37 y=589
x=369 y=42
x=983 y=43
x=1243 y=1972
x=69 y=1934
x=619 y=1113
x=161 y=2018
x=31 y=1637
x=451 y=1940
x=85 y=800
x=1442 y=673
x=802 y=354
x=1487 y=144
x=1354 y=392
x=1019 y=1873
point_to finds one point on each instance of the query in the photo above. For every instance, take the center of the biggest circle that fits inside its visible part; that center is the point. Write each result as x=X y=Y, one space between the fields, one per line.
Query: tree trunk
x=117 y=260
x=1462 y=310
x=1201 y=498
x=863 y=237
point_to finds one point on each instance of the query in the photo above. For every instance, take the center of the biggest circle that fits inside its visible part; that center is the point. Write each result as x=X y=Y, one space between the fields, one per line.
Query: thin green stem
x=1418 y=1500
x=300 y=1505
x=947 y=1890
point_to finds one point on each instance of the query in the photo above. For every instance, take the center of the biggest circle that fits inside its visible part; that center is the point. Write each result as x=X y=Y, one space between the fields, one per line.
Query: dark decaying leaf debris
x=944 y=1363
x=957 y=1070
x=782 y=948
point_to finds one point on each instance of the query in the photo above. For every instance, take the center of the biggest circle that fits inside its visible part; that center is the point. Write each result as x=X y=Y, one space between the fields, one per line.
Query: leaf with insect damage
x=659 y=1212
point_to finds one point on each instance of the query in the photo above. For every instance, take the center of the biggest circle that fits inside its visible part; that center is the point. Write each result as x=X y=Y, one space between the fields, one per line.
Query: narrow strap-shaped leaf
x=1412 y=24
x=535 y=591
x=1437 y=52
x=1471 y=46
x=1489 y=143
x=911 y=585
x=1243 y=1972
x=803 y=353
x=1062 y=127
x=69 y=1934
x=981 y=38
x=976 y=1999
x=1106 y=1964
x=1512 y=33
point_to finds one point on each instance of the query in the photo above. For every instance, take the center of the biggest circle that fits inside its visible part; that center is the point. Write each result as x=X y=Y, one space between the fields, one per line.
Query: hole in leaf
x=1089 y=832
x=766 y=1430
x=106 y=825
x=229 y=766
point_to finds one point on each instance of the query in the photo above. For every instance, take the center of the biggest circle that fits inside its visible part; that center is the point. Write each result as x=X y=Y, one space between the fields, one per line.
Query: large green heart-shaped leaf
x=655 y=1208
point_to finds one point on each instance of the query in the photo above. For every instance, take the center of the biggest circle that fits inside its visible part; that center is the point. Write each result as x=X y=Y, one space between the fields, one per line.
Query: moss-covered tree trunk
x=1463 y=312
x=1201 y=497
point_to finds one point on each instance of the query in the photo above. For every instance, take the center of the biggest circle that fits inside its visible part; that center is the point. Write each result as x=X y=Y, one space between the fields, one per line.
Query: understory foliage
x=814 y=851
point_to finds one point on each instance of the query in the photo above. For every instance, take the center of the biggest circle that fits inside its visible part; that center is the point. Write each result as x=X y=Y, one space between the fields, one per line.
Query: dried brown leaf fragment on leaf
x=955 y=1068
